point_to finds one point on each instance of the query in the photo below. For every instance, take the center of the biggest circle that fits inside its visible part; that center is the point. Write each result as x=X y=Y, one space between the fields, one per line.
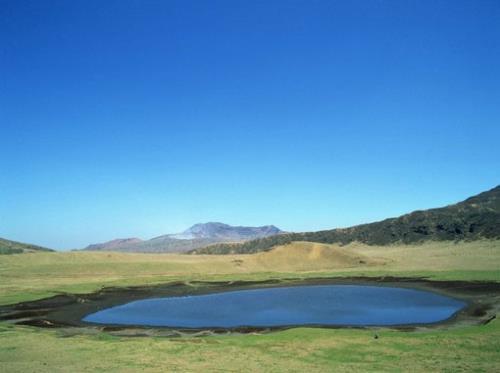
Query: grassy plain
x=37 y=275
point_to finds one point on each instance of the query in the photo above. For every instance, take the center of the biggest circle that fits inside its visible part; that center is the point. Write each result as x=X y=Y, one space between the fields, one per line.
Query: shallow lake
x=347 y=305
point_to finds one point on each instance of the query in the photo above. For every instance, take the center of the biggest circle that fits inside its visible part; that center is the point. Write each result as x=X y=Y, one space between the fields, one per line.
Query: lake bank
x=65 y=311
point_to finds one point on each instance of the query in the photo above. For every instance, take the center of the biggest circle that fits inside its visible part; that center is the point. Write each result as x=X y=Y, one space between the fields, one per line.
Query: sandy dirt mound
x=311 y=255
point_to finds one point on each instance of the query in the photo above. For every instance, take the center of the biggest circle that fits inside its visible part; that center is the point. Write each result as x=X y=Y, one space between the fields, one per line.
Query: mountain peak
x=228 y=232
x=208 y=225
x=199 y=235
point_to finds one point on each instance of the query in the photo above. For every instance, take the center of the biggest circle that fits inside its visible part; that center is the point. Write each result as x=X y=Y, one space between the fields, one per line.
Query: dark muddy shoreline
x=65 y=311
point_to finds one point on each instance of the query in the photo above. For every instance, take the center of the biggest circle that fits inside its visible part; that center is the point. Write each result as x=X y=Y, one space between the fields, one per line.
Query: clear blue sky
x=139 y=118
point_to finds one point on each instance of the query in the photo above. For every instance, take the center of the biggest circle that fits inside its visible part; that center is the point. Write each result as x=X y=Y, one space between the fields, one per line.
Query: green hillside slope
x=477 y=217
x=13 y=247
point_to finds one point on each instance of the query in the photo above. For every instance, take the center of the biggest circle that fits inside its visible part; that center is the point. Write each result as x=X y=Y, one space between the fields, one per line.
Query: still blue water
x=298 y=305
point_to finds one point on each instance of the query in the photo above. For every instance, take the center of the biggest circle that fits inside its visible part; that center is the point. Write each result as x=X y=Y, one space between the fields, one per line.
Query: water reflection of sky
x=300 y=305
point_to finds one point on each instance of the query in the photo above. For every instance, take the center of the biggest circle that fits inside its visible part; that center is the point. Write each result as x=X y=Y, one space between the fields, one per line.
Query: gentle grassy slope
x=298 y=350
x=26 y=277
x=25 y=349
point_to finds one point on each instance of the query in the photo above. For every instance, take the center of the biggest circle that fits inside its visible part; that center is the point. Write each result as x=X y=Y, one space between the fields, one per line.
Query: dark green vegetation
x=13 y=247
x=477 y=217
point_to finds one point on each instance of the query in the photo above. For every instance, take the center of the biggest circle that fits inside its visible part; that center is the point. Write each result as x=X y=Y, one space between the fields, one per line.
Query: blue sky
x=139 y=118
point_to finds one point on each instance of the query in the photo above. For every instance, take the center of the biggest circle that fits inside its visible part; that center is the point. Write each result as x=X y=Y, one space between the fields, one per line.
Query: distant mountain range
x=13 y=247
x=199 y=235
x=475 y=218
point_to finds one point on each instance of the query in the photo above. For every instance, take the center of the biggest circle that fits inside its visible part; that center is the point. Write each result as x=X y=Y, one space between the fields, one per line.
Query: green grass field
x=37 y=275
